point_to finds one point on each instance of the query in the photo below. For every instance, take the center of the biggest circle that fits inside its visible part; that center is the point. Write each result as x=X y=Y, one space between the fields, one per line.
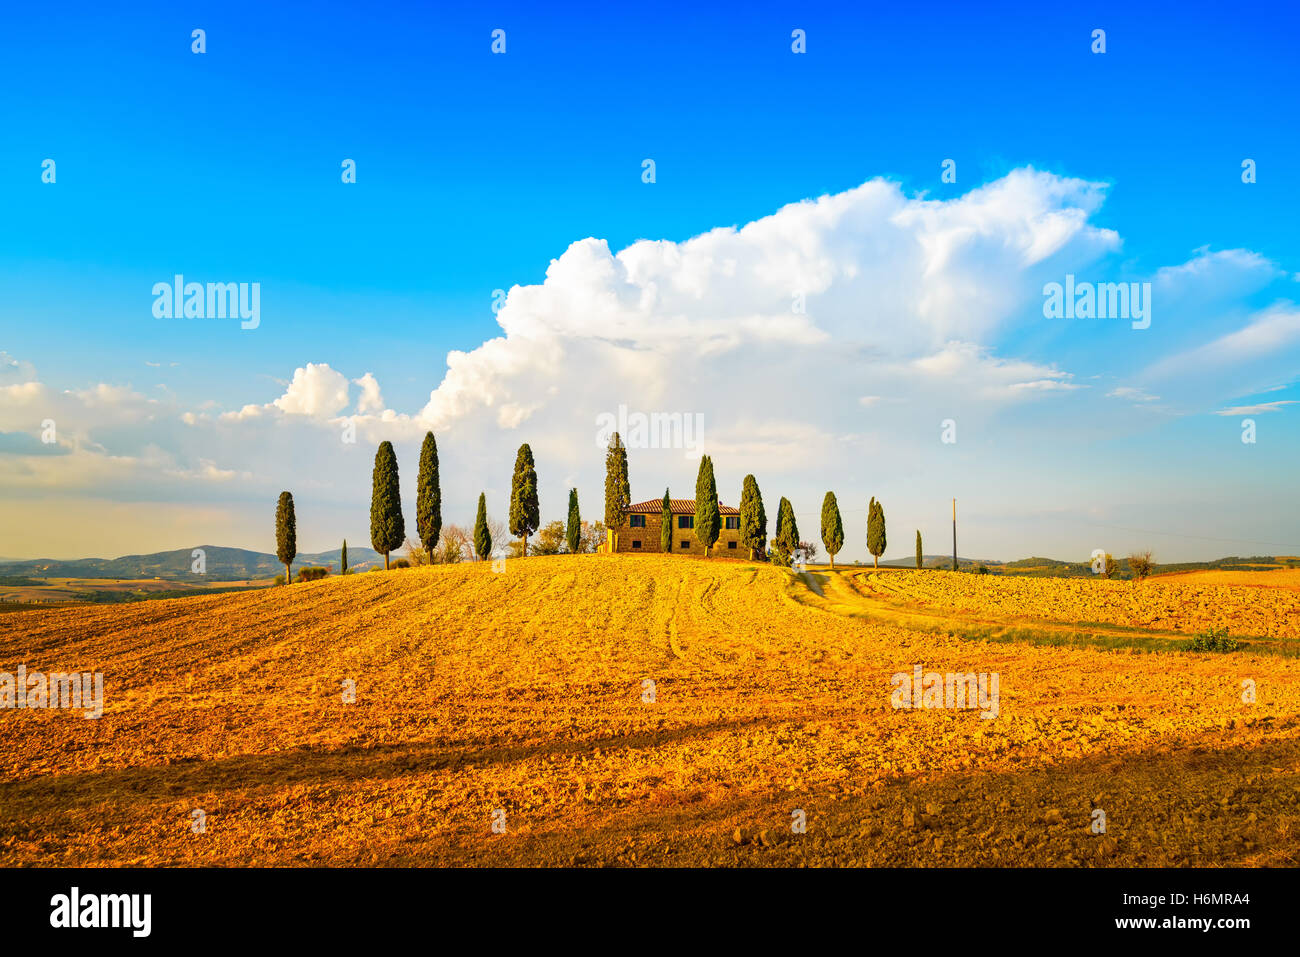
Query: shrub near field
x=524 y=692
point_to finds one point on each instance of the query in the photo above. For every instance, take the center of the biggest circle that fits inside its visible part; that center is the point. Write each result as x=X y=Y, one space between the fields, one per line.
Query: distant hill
x=936 y=561
x=1038 y=567
x=1053 y=568
x=223 y=564
x=237 y=564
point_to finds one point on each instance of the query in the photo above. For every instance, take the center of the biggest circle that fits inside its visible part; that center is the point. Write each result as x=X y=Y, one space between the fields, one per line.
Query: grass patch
x=1215 y=641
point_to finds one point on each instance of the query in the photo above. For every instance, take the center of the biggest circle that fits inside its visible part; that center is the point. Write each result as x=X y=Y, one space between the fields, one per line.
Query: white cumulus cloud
x=317 y=391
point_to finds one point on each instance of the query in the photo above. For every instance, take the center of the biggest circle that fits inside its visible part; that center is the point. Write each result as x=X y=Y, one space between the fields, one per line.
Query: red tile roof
x=680 y=506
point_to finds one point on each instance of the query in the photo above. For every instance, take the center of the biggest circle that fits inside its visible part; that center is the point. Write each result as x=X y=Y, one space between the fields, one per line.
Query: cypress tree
x=428 y=496
x=753 y=519
x=787 y=532
x=387 y=527
x=666 y=525
x=707 y=518
x=918 y=550
x=791 y=527
x=524 y=513
x=482 y=537
x=832 y=526
x=286 y=533
x=573 y=533
x=876 y=530
x=618 y=494
x=343 y=559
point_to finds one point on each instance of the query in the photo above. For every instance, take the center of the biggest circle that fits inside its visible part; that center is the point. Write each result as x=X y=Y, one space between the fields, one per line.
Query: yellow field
x=1187 y=603
x=1273 y=578
x=522 y=692
x=56 y=590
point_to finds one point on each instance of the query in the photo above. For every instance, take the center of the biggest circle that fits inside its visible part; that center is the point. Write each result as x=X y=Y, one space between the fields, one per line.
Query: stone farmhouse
x=643 y=522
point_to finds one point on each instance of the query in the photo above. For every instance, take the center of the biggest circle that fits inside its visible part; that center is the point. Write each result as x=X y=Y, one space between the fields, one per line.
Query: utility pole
x=954 y=534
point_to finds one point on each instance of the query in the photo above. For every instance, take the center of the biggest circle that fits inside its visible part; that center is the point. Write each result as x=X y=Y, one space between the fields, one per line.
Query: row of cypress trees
x=388 y=530
x=833 y=528
x=388 y=527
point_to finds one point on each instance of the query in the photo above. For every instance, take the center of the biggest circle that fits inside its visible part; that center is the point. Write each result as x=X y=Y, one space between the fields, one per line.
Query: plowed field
x=644 y=710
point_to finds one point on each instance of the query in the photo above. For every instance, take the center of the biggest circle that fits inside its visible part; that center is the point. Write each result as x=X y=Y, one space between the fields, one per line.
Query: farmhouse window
x=686 y=545
x=685 y=521
x=638 y=521
x=636 y=543
x=731 y=545
x=733 y=521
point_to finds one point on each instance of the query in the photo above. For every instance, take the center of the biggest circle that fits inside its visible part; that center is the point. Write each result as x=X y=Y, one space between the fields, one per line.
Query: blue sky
x=476 y=170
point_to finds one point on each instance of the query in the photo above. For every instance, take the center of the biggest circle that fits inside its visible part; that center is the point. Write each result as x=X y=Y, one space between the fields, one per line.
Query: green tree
x=1141 y=564
x=832 y=526
x=707 y=518
x=618 y=494
x=876 y=530
x=387 y=527
x=791 y=526
x=286 y=534
x=666 y=525
x=919 y=561
x=524 y=513
x=343 y=558
x=550 y=538
x=573 y=532
x=482 y=537
x=753 y=520
x=428 y=495
x=787 y=533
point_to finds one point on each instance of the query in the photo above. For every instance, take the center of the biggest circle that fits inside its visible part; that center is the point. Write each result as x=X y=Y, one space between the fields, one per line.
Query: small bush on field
x=456 y=545
x=1140 y=564
x=312 y=573
x=401 y=563
x=279 y=579
x=417 y=555
x=1213 y=640
x=550 y=539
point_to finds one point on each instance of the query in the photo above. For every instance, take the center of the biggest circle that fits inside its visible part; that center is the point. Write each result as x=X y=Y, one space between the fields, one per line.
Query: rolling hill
x=629 y=710
x=223 y=564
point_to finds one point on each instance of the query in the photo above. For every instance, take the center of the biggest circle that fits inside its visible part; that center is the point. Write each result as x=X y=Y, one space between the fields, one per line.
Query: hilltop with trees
x=439 y=544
